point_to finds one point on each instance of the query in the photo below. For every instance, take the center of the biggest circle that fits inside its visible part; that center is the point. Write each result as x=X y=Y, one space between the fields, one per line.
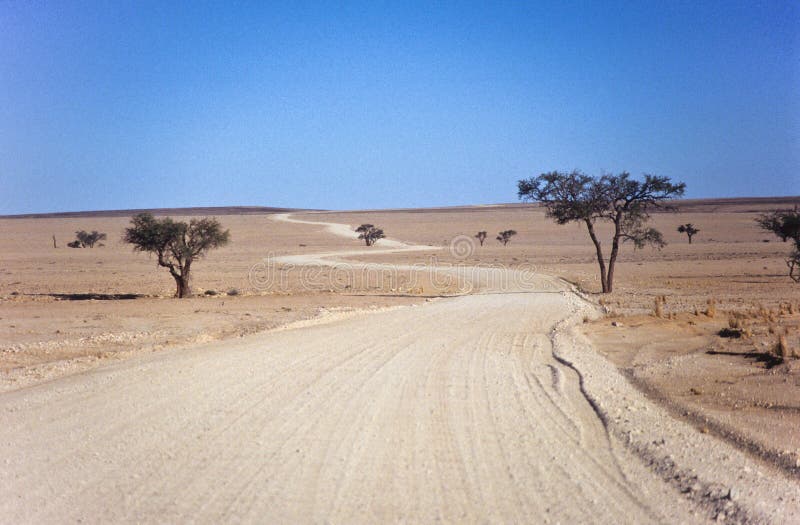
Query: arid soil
x=731 y=387
x=64 y=310
x=426 y=401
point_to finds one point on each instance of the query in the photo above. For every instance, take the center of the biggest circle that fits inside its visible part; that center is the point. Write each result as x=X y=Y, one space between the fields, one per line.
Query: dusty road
x=455 y=410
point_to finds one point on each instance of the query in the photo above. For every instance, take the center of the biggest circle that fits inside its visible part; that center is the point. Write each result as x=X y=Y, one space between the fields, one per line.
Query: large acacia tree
x=619 y=199
x=786 y=225
x=176 y=244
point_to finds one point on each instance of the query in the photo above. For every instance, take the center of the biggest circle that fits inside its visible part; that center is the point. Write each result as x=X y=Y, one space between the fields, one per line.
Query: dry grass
x=711 y=308
x=658 y=307
x=782 y=348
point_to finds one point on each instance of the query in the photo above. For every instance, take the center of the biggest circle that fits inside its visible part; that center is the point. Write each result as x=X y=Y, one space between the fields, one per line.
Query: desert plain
x=428 y=377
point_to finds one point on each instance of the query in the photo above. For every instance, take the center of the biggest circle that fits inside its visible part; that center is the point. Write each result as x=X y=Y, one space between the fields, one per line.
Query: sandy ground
x=724 y=386
x=65 y=310
x=488 y=407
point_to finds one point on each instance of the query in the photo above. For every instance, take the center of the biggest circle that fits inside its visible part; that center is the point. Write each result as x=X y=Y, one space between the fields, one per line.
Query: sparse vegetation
x=481 y=236
x=689 y=230
x=786 y=225
x=369 y=233
x=658 y=306
x=176 y=244
x=711 y=308
x=505 y=236
x=619 y=199
x=84 y=239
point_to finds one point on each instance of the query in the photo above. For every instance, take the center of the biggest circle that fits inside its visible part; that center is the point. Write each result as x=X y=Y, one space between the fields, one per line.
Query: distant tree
x=481 y=236
x=505 y=236
x=369 y=233
x=689 y=230
x=618 y=199
x=88 y=240
x=786 y=225
x=176 y=244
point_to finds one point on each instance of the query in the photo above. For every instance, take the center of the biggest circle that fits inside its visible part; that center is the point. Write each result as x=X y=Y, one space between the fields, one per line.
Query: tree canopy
x=176 y=244
x=786 y=225
x=620 y=199
x=87 y=240
x=369 y=233
x=505 y=236
x=689 y=230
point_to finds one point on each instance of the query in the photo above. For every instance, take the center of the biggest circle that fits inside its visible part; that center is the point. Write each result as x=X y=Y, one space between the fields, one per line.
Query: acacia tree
x=176 y=244
x=505 y=236
x=369 y=233
x=786 y=225
x=618 y=199
x=481 y=236
x=85 y=239
x=689 y=230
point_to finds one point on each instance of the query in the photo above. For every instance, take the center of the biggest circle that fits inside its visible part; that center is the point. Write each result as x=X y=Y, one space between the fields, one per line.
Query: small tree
x=505 y=236
x=369 y=233
x=689 y=230
x=619 y=199
x=481 y=236
x=786 y=225
x=88 y=240
x=176 y=244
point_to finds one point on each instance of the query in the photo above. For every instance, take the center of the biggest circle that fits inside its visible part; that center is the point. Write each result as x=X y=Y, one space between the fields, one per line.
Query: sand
x=488 y=406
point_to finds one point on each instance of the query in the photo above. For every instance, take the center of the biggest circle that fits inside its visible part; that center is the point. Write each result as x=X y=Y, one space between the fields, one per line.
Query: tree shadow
x=93 y=296
x=769 y=360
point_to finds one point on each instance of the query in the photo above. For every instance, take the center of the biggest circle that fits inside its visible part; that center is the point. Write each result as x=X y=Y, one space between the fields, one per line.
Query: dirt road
x=455 y=410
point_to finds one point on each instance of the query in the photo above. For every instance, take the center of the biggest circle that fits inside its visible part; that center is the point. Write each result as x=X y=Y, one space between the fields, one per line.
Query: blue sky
x=107 y=105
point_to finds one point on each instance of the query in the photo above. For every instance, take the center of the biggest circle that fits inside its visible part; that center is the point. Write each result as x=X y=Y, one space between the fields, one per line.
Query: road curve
x=454 y=410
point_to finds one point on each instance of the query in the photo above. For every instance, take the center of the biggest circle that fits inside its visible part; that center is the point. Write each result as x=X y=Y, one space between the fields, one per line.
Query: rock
x=617 y=324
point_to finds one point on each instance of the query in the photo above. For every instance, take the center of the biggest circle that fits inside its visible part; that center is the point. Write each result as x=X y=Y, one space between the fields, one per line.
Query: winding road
x=455 y=410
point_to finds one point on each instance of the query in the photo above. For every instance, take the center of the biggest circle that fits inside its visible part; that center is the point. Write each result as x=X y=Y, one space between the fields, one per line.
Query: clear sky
x=107 y=105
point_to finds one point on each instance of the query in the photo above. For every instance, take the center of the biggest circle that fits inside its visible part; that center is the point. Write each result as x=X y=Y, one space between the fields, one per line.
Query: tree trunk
x=182 y=286
x=600 y=260
x=690 y=239
x=614 y=252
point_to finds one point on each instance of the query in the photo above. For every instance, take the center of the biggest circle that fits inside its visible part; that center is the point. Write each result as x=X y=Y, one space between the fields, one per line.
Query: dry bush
x=658 y=307
x=711 y=308
x=782 y=347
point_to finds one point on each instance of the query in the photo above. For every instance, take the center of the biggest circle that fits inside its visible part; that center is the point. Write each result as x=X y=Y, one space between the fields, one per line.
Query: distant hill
x=729 y=204
x=207 y=210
